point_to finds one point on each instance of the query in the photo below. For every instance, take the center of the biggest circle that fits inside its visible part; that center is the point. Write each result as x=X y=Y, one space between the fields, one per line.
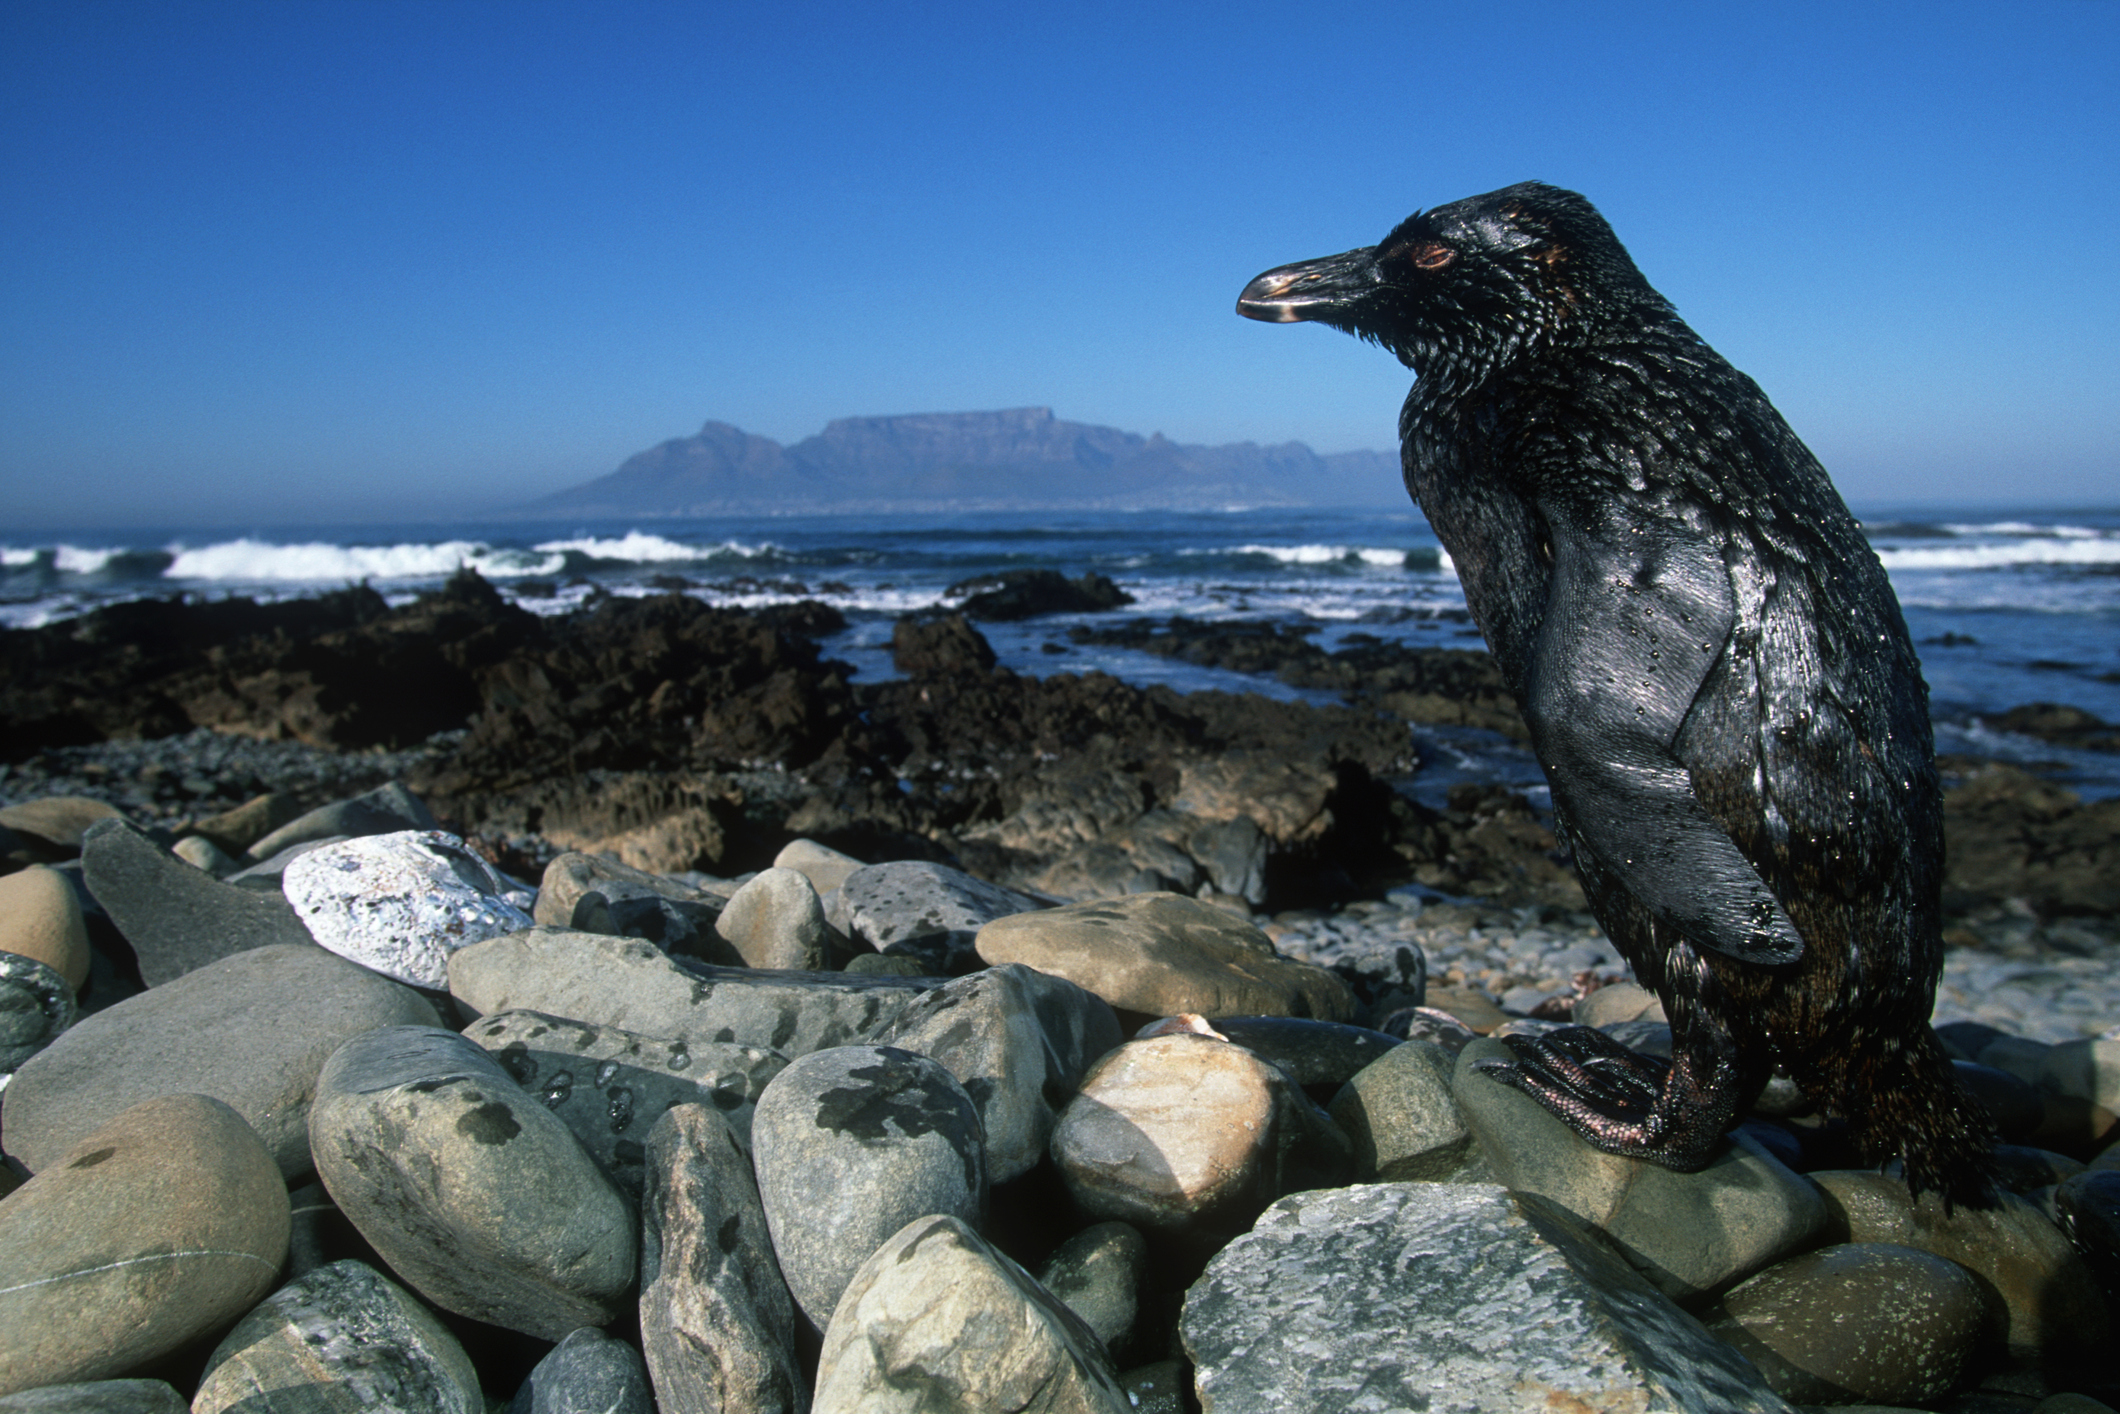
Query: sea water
x=2006 y=608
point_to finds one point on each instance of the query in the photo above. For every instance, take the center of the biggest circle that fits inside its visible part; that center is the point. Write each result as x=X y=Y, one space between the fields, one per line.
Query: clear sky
x=305 y=259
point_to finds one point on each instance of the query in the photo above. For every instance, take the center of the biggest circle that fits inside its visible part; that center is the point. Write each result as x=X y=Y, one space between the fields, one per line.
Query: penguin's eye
x=1424 y=255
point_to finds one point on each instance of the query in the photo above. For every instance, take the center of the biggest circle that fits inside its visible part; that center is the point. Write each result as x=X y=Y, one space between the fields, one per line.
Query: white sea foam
x=637 y=547
x=1393 y=558
x=249 y=560
x=2044 y=550
x=11 y=557
x=72 y=559
x=2021 y=527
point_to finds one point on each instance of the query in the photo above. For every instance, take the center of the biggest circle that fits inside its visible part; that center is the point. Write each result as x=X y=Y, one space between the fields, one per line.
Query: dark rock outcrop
x=2010 y=835
x=1028 y=594
x=1446 y=686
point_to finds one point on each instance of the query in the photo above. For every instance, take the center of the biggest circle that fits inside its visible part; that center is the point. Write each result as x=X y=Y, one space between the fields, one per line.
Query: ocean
x=2007 y=609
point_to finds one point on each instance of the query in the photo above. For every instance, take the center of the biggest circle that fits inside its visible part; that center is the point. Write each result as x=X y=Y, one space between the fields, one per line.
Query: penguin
x=1715 y=673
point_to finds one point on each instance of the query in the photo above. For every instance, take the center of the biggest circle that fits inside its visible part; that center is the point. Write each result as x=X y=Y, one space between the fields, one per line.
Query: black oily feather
x=1716 y=674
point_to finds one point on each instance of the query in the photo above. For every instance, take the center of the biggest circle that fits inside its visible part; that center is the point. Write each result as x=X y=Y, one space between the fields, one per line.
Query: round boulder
x=938 y=1320
x=1186 y=1133
x=401 y=903
x=339 y=1340
x=1869 y=1322
x=157 y=1228
x=252 y=1030
x=40 y=917
x=472 y=1190
x=852 y=1143
x=1162 y=954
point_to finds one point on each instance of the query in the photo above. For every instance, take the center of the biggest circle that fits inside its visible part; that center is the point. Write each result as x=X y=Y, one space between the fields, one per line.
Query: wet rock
x=716 y=1319
x=2010 y=835
x=40 y=917
x=587 y=1373
x=2022 y=1169
x=339 y=1340
x=339 y=669
x=1688 y=1233
x=1160 y=1387
x=1313 y=1052
x=849 y=1145
x=1028 y=594
x=36 y=1006
x=176 y=918
x=775 y=921
x=469 y=1187
x=2059 y=724
x=1857 y=1322
x=635 y=986
x=252 y=1030
x=1161 y=954
x=158 y=1228
x=98 y=1397
x=945 y=646
x=1402 y=1117
x=1019 y=1042
x=937 y=1321
x=401 y=903
x=610 y=1087
x=2055 y=1313
x=1097 y=1275
x=2088 y=1206
x=1318 y=1307
x=386 y=810
x=598 y=895
x=1190 y=1135
x=929 y=912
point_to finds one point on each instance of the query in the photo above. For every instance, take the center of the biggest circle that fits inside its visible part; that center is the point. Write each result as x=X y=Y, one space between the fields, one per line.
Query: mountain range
x=1014 y=459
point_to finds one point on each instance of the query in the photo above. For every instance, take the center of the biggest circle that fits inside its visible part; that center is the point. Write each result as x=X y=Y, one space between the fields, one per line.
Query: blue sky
x=377 y=260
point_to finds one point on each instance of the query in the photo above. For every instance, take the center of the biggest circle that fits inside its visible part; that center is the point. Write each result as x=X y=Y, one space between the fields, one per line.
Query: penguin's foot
x=1620 y=1101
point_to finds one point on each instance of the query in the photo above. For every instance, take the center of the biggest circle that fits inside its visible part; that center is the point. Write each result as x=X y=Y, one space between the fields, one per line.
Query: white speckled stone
x=1447 y=1298
x=401 y=903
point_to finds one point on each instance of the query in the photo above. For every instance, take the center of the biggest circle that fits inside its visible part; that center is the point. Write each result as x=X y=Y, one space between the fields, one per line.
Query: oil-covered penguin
x=1715 y=673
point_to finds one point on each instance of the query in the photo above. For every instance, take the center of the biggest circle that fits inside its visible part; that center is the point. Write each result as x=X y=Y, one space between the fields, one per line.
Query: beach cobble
x=2046 y=980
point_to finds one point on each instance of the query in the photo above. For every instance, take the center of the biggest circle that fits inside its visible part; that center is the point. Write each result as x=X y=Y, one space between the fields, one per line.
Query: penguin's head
x=1468 y=285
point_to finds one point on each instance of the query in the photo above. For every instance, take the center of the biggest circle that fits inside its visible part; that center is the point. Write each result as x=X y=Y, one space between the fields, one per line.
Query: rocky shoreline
x=775 y=1027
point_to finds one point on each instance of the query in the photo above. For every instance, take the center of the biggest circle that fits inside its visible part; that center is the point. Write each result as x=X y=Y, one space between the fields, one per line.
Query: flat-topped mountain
x=1015 y=459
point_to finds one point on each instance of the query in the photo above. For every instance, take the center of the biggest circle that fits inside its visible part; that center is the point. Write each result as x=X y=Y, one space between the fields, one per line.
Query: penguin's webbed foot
x=1618 y=1100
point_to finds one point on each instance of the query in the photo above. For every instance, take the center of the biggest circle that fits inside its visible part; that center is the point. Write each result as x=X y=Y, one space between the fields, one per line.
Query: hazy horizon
x=383 y=262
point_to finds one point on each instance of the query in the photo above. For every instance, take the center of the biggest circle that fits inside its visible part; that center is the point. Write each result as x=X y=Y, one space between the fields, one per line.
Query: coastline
x=1070 y=787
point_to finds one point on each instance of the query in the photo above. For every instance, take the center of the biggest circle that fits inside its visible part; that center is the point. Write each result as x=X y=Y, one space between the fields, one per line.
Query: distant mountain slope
x=1019 y=458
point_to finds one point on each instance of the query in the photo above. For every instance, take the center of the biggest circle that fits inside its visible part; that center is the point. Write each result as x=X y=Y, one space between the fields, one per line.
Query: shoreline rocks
x=649 y=1112
x=158 y=1227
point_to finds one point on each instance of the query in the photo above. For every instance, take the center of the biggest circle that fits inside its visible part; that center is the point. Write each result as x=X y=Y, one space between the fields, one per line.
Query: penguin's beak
x=1310 y=289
